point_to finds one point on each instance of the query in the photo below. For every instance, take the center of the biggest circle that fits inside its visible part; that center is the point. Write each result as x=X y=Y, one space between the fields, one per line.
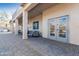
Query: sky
x=9 y=8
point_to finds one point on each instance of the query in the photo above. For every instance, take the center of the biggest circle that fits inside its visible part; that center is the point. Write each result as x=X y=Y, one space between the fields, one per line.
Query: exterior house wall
x=37 y=18
x=56 y=11
x=60 y=10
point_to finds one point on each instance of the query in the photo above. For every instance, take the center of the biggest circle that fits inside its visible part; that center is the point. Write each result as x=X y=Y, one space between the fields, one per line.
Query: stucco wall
x=37 y=18
x=60 y=10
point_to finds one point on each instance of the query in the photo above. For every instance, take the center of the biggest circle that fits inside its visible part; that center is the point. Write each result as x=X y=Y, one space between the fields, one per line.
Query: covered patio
x=24 y=21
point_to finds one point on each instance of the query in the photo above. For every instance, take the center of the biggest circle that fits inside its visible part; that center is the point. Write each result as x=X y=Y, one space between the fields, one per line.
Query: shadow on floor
x=49 y=47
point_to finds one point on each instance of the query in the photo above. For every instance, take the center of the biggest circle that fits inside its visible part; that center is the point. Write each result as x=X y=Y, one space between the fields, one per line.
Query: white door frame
x=52 y=37
x=57 y=29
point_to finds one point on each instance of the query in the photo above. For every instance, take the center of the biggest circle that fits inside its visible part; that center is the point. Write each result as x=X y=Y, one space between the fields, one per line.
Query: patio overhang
x=34 y=9
x=39 y=8
x=24 y=7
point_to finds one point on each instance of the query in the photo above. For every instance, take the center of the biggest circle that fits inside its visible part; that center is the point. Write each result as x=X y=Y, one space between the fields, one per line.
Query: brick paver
x=14 y=45
x=49 y=47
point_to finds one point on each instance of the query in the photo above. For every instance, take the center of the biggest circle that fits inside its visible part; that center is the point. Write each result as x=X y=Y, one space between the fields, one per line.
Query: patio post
x=16 y=26
x=25 y=24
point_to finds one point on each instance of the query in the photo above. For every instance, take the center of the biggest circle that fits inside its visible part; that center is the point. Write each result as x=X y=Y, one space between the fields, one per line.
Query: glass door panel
x=62 y=28
x=52 y=29
x=62 y=31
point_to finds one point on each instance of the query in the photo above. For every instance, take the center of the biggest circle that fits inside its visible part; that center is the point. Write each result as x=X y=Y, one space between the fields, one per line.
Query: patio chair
x=34 y=34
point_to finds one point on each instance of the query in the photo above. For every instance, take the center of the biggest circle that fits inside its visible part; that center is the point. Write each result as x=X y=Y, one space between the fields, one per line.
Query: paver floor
x=14 y=45
x=49 y=47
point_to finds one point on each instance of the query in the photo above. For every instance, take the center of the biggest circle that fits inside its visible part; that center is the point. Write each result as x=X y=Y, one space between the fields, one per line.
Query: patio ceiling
x=38 y=9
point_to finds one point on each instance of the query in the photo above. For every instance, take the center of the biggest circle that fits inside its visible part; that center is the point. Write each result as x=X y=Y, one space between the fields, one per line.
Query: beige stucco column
x=25 y=24
x=16 y=26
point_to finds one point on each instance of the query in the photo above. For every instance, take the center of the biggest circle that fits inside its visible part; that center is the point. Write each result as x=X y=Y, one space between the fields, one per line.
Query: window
x=36 y=25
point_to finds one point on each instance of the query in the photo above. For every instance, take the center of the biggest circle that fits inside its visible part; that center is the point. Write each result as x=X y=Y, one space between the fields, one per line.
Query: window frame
x=35 y=25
